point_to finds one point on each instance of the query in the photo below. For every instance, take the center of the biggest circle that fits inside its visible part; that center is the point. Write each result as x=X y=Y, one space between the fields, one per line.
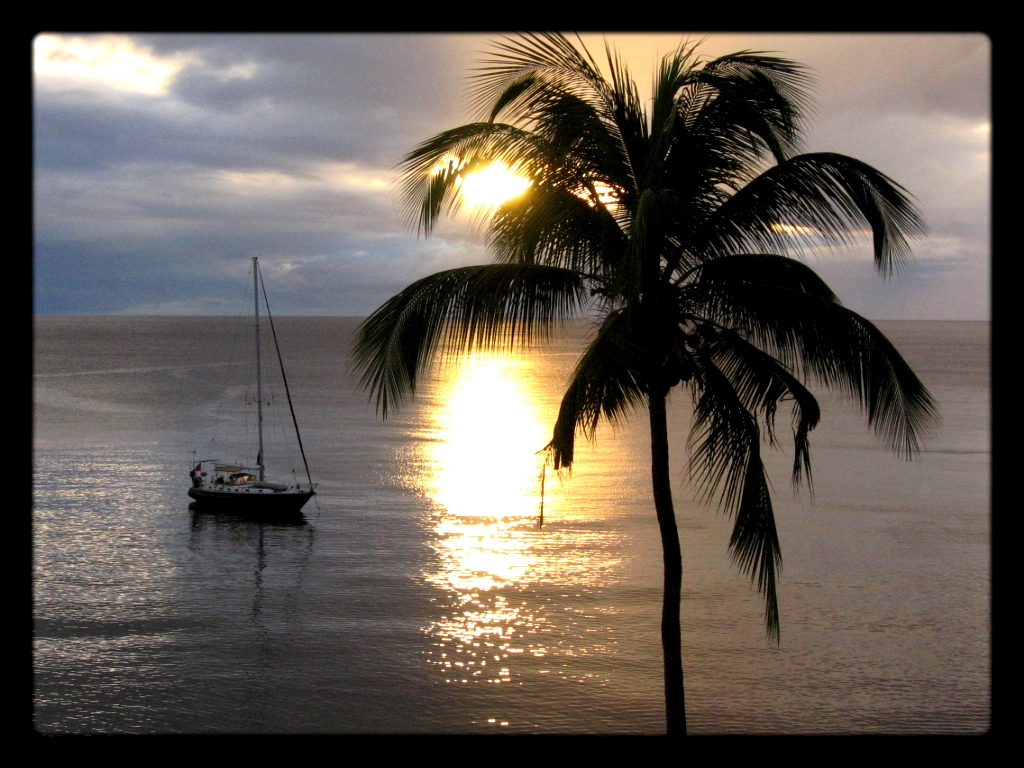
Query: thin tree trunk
x=675 y=706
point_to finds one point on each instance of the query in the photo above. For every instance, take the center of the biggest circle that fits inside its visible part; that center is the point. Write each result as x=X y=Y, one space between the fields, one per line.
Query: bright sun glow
x=792 y=229
x=492 y=186
x=488 y=437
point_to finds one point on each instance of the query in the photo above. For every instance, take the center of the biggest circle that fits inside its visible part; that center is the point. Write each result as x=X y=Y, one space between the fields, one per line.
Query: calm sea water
x=420 y=595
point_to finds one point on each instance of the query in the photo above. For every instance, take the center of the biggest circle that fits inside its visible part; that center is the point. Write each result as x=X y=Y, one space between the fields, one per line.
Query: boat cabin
x=228 y=474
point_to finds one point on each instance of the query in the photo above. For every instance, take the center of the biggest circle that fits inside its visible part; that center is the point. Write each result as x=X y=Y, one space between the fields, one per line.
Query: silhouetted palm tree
x=668 y=224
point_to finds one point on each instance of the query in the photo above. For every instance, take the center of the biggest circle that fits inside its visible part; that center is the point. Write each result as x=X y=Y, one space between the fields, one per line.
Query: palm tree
x=672 y=225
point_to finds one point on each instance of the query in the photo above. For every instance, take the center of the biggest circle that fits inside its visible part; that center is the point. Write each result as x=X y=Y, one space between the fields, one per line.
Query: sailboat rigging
x=220 y=486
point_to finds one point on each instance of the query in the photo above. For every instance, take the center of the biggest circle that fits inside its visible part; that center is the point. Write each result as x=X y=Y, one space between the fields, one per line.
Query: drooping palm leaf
x=789 y=312
x=762 y=384
x=726 y=463
x=721 y=435
x=754 y=543
x=492 y=307
x=813 y=199
x=606 y=384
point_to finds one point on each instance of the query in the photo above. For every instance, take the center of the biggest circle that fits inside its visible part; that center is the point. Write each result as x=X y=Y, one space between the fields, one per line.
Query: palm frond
x=762 y=383
x=726 y=462
x=812 y=198
x=606 y=384
x=517 y=89
x=552 y=225
x=782 y=307
x=554 y=88
x=671 y=76
x=783 y=87
x=754 y=543
x=629 y=118
x=721 y=435
x=767 y=271
x=899 y=407
x=490 y=307
x=583 y=146
x=430 y=175
x=550 y=57
x=728 y=118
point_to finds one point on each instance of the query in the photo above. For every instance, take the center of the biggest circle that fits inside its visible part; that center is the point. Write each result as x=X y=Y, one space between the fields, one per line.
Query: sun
x=492 y=186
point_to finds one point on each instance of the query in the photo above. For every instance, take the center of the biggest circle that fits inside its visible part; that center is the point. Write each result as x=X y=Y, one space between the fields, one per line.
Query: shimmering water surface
x=420 y=595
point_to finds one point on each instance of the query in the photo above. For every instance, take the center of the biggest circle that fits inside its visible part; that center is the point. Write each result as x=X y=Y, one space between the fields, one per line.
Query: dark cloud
x=257 y=101
x=350 y=96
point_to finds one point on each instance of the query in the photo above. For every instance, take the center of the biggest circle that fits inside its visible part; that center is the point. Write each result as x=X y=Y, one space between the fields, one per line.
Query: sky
x=163 y=163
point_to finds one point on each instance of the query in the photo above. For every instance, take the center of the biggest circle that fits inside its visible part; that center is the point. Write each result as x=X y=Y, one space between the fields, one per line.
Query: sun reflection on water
x=488 y=430
x=494 y=563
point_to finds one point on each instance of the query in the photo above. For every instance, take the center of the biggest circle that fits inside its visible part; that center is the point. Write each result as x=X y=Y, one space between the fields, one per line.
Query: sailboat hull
x=244 y=501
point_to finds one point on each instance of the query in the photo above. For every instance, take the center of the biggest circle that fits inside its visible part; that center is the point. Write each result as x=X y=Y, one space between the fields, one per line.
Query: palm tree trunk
x=675 y=707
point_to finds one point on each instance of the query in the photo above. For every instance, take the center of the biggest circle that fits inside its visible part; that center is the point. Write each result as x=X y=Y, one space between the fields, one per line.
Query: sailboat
x=219 y=486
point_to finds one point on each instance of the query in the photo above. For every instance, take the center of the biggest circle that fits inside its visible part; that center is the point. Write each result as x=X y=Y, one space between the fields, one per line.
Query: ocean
x=421 y=594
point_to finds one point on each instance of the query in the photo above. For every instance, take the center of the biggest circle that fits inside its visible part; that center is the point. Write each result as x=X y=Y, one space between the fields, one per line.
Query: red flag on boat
x=197 y=467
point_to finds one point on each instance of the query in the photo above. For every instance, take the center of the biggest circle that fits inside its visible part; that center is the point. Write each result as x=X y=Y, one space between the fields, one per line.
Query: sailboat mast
x=259 y=373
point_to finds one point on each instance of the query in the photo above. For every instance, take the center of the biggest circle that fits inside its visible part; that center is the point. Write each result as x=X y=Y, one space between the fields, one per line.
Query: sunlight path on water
x=483 y=471
x=489 y=429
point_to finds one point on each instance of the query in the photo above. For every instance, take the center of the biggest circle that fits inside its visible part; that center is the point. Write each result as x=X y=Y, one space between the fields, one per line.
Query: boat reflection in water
x=480 y=465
